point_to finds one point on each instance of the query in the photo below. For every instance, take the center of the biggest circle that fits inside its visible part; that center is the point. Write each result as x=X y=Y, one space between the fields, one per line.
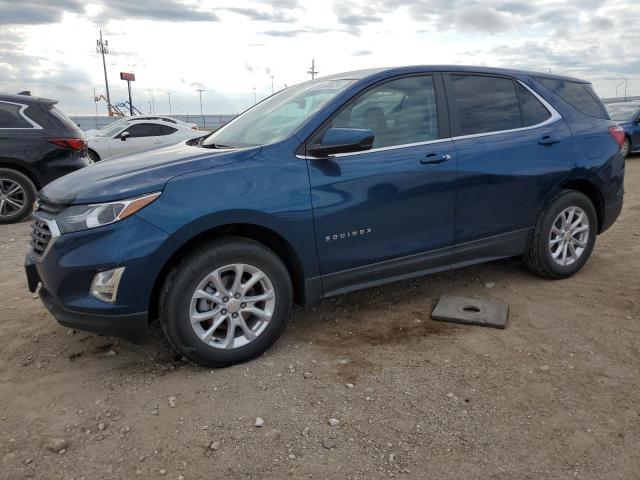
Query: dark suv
x=38 y=144
x=326 y=187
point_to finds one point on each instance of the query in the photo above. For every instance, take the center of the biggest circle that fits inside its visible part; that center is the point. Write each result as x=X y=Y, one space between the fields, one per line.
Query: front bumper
x=66 y=270
x=133 y=327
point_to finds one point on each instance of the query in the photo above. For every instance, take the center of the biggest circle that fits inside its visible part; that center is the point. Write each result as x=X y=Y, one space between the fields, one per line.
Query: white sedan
x=126 y=138
x=123 y=120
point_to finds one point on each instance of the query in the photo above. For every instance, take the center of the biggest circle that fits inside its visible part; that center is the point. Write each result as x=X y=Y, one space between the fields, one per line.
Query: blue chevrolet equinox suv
x=326 y=187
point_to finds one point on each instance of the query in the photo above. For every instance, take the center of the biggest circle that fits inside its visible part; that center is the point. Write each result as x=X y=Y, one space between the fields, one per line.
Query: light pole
x=102 y=47
x=625 y=80
x=271 y=84
x=200 y=90
x=169 y=95
x=313 y=71
x=255 y=99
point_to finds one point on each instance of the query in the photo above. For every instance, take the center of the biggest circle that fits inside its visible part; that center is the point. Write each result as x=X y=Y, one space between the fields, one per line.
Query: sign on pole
x=129 y=77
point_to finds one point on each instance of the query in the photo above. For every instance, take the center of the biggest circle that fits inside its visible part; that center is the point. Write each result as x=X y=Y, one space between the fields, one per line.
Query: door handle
x=547 y=140
x=434 y=159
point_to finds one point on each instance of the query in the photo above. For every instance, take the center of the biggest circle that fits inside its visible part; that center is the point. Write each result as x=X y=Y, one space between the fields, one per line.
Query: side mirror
x=343 y=140
x=124 y=135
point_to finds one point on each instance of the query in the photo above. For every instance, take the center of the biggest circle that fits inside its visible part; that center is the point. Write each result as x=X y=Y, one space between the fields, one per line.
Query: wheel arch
x=591 y=191
x=89 y=149
x=25 y=171
x=259 y=233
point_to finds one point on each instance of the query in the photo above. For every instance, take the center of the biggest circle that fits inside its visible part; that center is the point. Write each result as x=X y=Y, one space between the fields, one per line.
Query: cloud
x=261 y=15
x=36 y=12
x=165 y=10
x=481 y=18
x=354 y=16
x=294 y=32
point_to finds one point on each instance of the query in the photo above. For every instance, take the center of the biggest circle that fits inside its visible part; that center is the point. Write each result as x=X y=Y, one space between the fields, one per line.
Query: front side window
x=398 y=112
x=10 y=116
x=277 y=117
x=141 y=130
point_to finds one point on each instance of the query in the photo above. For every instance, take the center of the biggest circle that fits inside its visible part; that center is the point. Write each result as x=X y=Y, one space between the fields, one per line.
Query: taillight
x=75 y=144
x=618 y=135
x=195 y=127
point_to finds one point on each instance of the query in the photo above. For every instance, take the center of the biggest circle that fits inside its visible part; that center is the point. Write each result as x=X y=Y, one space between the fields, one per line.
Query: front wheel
x=563 y=237
x=226 y=302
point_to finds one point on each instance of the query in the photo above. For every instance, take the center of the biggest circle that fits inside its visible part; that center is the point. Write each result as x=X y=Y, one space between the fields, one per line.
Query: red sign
x=131 y=77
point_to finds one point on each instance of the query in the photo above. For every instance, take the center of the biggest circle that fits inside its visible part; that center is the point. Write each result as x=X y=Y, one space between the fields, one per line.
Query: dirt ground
x=555 y=395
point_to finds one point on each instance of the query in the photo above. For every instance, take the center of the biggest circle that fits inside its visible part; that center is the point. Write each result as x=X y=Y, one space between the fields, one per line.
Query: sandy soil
x=555 y=395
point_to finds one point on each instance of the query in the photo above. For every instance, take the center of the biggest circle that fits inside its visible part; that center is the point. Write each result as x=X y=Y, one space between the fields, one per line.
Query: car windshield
x=622 y=113
x=276 y=117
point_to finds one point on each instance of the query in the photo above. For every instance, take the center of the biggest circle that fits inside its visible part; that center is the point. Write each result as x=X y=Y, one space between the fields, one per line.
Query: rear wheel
x=226 y=302
x=93 y=156
x=564 y=236
x=17 y=194
x=626 y=147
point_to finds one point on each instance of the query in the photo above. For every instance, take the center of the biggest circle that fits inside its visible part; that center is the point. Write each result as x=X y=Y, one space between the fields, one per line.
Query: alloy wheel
x=13 y=198
x=625 y=148
x=569 y=236
x=232 y=306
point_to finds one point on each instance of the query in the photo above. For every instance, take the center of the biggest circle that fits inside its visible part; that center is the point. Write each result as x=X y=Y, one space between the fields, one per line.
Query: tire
x=544 y=242
x=193 y=272
x=626 y=147
x=93 y=156
x=17 y=194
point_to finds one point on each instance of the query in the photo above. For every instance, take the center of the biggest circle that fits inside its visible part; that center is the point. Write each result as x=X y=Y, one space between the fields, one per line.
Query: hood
x=134 y=175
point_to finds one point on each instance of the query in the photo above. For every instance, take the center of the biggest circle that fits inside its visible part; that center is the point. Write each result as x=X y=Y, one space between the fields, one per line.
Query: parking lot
x=555 y=395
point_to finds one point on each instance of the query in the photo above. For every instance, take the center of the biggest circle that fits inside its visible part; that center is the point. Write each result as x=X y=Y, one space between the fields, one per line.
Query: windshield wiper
x=214 y=145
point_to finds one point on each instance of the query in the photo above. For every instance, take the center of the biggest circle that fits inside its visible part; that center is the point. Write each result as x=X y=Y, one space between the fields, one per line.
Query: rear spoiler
x=44 y=102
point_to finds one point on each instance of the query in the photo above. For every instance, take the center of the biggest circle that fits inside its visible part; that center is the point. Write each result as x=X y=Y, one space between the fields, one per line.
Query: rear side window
x=167 y=130
x=533 y=112
x=579 y=95
x=485 y=104
x=10 y=116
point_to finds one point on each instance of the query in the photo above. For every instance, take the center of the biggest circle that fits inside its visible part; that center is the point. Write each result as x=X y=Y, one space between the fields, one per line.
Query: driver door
x=387 y=212
x=142 y=137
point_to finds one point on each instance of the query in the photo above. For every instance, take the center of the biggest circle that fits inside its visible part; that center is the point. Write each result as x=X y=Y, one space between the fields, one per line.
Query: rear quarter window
x=580 y=96
x=10 y=116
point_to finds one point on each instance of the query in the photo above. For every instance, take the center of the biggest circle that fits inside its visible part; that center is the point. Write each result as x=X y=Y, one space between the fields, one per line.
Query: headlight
x=83 y=217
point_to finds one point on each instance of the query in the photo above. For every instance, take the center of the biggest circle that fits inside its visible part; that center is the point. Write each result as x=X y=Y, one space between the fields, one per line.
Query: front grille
x=40 y=237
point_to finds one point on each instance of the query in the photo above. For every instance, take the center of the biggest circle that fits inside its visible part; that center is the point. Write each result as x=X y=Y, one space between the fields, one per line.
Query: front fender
x=246 y=193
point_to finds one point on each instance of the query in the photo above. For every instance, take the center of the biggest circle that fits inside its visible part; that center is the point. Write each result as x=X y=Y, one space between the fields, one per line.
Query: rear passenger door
x=512 y=148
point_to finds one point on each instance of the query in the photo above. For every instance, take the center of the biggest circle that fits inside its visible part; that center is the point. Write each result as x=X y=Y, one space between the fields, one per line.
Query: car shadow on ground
x=396 y=314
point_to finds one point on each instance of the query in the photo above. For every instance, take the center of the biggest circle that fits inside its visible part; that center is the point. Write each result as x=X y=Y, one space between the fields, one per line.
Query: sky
x=230 y=47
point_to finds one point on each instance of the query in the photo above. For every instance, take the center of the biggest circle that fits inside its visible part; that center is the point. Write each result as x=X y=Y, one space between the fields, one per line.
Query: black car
x=38 y=144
